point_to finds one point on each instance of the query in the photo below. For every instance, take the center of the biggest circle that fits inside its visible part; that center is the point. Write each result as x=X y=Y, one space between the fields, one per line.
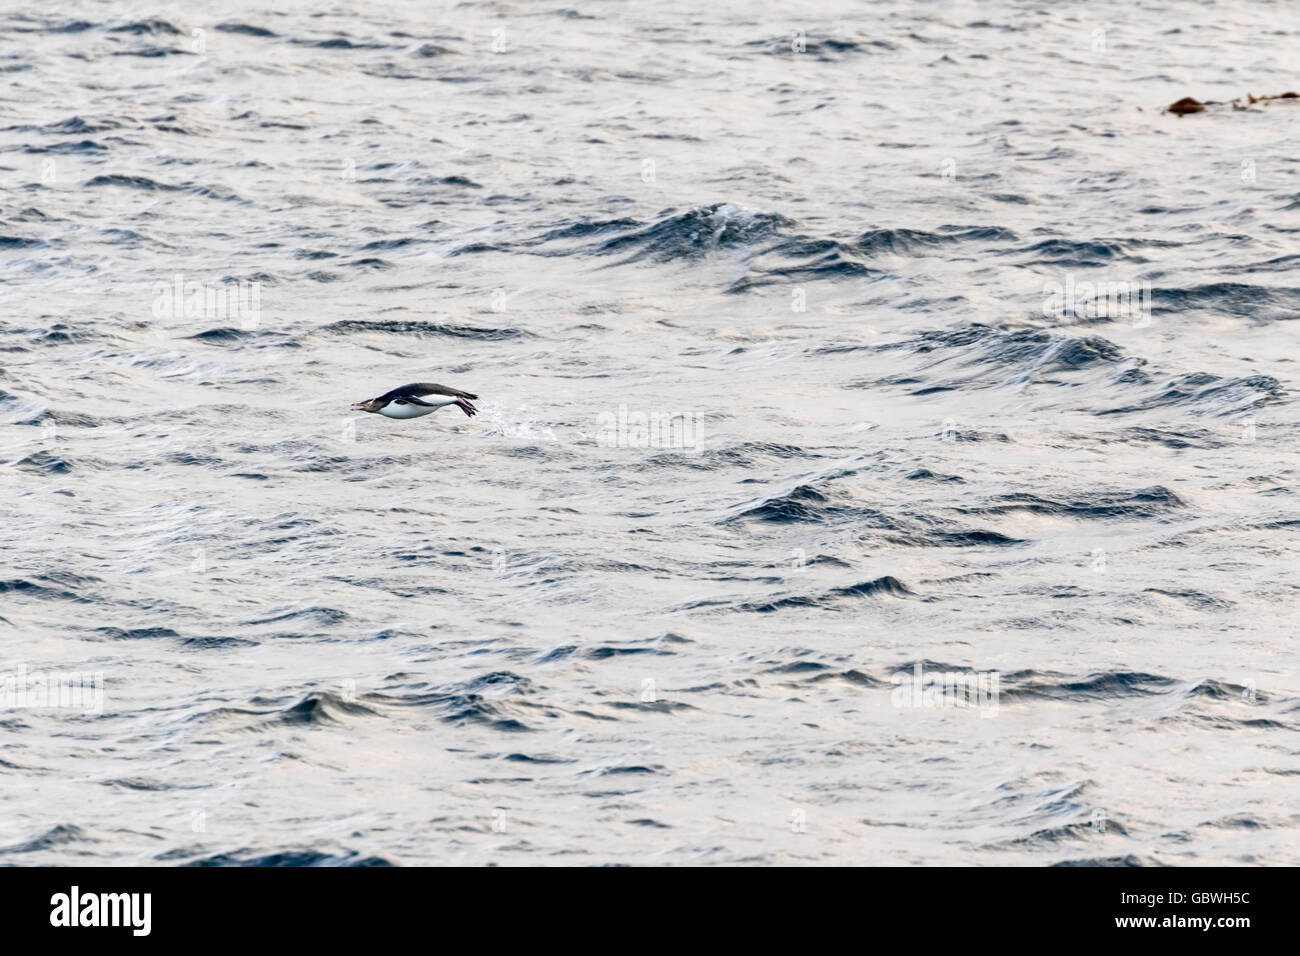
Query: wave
x=153 y=51
x=917 y=242
x=62 y=835
x=342 y=43
x=742 y=455
x=1104 y=685
x=85 y=146
x=1023 y=351
x=885 y=586
x=803 y=503
x=1201 y=393
x=1083 y=254
x=320 y=708
x=72 y=126
x=985 y=357
x=487 y=699
x=1259 y=303
x=51 y=586
x=771 y=248
x=152 y=27
x=244 y=29
x=1131 y=859
x=152 y=185
x=674 y=235
x=692 y=234
x=824 y=49
x=1152 y=502
x=417 y=328
x=282 y=858
x=21 y=242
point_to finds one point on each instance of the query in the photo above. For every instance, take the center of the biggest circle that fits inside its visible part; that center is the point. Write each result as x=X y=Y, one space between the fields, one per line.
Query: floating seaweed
x=1189 y=104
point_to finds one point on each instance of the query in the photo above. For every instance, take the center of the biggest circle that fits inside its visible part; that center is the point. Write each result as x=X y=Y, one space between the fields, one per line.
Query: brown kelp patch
x=1190 y=104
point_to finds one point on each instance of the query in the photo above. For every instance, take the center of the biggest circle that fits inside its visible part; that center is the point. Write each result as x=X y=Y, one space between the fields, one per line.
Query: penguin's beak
x=359 y=406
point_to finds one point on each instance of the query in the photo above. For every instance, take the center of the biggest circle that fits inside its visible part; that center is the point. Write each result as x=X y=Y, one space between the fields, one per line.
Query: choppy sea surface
x=795 y=415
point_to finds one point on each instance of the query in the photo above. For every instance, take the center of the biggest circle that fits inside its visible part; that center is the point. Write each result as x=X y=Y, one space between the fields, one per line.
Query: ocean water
x=886 y=449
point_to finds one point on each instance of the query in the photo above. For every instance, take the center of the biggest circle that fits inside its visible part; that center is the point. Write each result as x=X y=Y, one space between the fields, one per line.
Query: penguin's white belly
x=394 y=410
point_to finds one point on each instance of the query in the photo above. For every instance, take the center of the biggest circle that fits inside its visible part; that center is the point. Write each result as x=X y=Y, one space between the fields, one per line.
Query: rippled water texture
x=844 y=244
